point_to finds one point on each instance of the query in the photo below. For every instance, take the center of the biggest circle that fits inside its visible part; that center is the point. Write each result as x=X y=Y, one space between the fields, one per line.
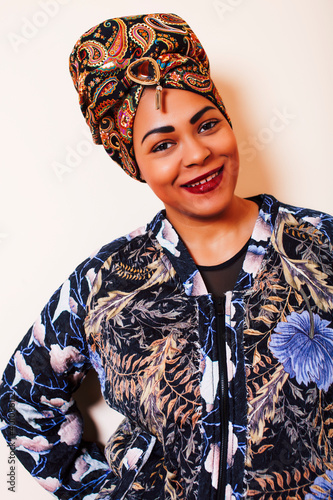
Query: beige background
x=272 y=61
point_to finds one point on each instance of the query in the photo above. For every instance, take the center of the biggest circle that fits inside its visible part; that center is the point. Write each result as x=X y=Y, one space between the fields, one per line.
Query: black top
x=221 y=278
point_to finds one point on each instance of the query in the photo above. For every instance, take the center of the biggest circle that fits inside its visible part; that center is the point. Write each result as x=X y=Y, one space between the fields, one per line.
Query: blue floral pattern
x=288 y=341
x=305 y=354
x=322 y=488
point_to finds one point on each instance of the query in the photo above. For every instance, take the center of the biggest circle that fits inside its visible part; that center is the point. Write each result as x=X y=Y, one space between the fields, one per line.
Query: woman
x=210 y=328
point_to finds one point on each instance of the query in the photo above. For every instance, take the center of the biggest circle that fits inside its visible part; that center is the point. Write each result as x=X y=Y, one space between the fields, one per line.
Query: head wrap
x=109 y=98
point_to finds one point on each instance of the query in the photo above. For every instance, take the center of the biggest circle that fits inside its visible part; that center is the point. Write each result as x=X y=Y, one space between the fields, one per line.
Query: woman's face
x=187 y=153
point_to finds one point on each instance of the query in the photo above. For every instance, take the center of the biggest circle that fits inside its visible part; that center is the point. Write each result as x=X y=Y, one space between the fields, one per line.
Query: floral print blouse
x=217 y=406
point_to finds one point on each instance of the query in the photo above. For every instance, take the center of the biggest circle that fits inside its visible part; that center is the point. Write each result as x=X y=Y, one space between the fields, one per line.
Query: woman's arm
x=40 y=418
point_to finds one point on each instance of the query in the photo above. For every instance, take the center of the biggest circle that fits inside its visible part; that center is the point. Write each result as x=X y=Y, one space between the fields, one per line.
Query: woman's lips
x=202 y=185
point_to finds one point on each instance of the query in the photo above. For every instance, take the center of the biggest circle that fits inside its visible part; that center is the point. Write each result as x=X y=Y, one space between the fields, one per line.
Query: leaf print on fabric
x=159 y=271
x=305 y=271
x=294 y=282
x=162 y=381
x=144 y=334
x=262 y=407
x=322 y=488
x=307 y=357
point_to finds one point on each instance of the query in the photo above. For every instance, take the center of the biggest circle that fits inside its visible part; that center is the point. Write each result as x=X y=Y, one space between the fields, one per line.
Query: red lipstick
x=205 y=183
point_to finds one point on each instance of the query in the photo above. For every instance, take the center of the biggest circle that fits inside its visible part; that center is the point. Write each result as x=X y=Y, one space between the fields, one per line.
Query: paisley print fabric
x=138 y=313
x=108 y=98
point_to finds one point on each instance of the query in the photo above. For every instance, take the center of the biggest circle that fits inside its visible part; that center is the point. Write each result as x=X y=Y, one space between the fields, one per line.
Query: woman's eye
x=207 y=125
x=162 y=146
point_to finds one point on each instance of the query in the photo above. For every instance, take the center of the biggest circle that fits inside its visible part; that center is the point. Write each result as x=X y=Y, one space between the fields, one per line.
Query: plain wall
x=272 y=62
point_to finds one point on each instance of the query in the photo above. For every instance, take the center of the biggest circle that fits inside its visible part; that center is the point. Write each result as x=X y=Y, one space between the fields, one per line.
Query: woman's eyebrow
x=168 y=128
x=199 y=114
x=159 y=130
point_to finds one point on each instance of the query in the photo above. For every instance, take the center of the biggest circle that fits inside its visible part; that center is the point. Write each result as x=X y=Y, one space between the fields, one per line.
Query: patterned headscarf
x=107 y=94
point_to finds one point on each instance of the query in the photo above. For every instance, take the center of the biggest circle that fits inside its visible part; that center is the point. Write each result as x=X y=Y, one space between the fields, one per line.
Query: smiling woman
x=210 y=328
x=187 y=153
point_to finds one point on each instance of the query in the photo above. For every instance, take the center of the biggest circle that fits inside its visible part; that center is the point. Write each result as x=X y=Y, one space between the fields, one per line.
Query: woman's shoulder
x=276 y=209
x=139 y=237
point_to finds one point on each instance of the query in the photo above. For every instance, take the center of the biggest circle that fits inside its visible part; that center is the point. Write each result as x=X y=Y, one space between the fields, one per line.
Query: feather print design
x=159 y=271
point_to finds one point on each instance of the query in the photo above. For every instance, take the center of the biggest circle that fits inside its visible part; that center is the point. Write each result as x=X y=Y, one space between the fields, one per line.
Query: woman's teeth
x=207 y=179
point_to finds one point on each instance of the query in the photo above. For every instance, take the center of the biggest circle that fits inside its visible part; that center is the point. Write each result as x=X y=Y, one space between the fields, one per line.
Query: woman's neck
x=215 y=240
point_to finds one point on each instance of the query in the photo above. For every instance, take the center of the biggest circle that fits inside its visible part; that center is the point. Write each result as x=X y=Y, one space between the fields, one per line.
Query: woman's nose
x=195 y=152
